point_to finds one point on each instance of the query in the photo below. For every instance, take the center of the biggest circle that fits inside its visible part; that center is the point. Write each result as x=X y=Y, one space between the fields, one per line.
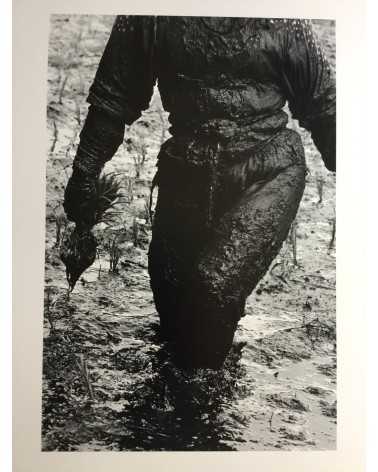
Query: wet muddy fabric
x=232 y=175
x=201 y=273
x=223 y=77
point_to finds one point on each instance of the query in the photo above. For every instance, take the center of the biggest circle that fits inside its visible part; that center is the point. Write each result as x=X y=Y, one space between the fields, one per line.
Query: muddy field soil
x=108 y=381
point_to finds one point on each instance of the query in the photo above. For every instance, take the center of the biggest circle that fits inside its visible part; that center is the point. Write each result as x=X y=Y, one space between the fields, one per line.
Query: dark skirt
x=217 y=227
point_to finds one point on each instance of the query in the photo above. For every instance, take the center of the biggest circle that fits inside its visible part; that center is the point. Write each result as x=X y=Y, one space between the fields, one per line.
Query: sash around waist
x=199 y=149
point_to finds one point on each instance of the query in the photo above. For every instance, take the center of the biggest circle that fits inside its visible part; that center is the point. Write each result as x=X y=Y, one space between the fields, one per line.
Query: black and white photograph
x=190 y=238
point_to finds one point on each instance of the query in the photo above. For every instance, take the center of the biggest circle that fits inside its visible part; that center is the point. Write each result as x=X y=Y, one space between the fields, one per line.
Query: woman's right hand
x=80 y=198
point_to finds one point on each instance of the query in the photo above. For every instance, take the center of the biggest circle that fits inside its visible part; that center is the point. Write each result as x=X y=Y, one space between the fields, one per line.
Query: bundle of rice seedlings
x=108 y=195
x=79 y=246
x=78 y=252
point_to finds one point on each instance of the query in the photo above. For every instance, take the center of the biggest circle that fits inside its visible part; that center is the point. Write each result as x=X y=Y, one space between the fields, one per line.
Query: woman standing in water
x=232 y=175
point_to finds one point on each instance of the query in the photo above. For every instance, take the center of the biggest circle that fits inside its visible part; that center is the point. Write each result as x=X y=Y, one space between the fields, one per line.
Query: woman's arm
x=122 y=88
x=310 y=86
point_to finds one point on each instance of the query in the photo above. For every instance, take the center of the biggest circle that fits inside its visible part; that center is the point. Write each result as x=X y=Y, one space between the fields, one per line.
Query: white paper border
x=31 y=20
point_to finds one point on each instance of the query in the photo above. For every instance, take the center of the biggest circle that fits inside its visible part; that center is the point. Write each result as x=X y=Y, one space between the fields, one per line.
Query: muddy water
x=274 y=391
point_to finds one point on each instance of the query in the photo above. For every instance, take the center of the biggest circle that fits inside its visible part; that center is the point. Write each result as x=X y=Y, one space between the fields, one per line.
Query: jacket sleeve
x=310 y=85
x=125 y=78
x=122 y=88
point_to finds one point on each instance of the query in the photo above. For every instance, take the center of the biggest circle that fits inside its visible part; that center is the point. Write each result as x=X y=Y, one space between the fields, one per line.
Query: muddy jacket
x=226 y=79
